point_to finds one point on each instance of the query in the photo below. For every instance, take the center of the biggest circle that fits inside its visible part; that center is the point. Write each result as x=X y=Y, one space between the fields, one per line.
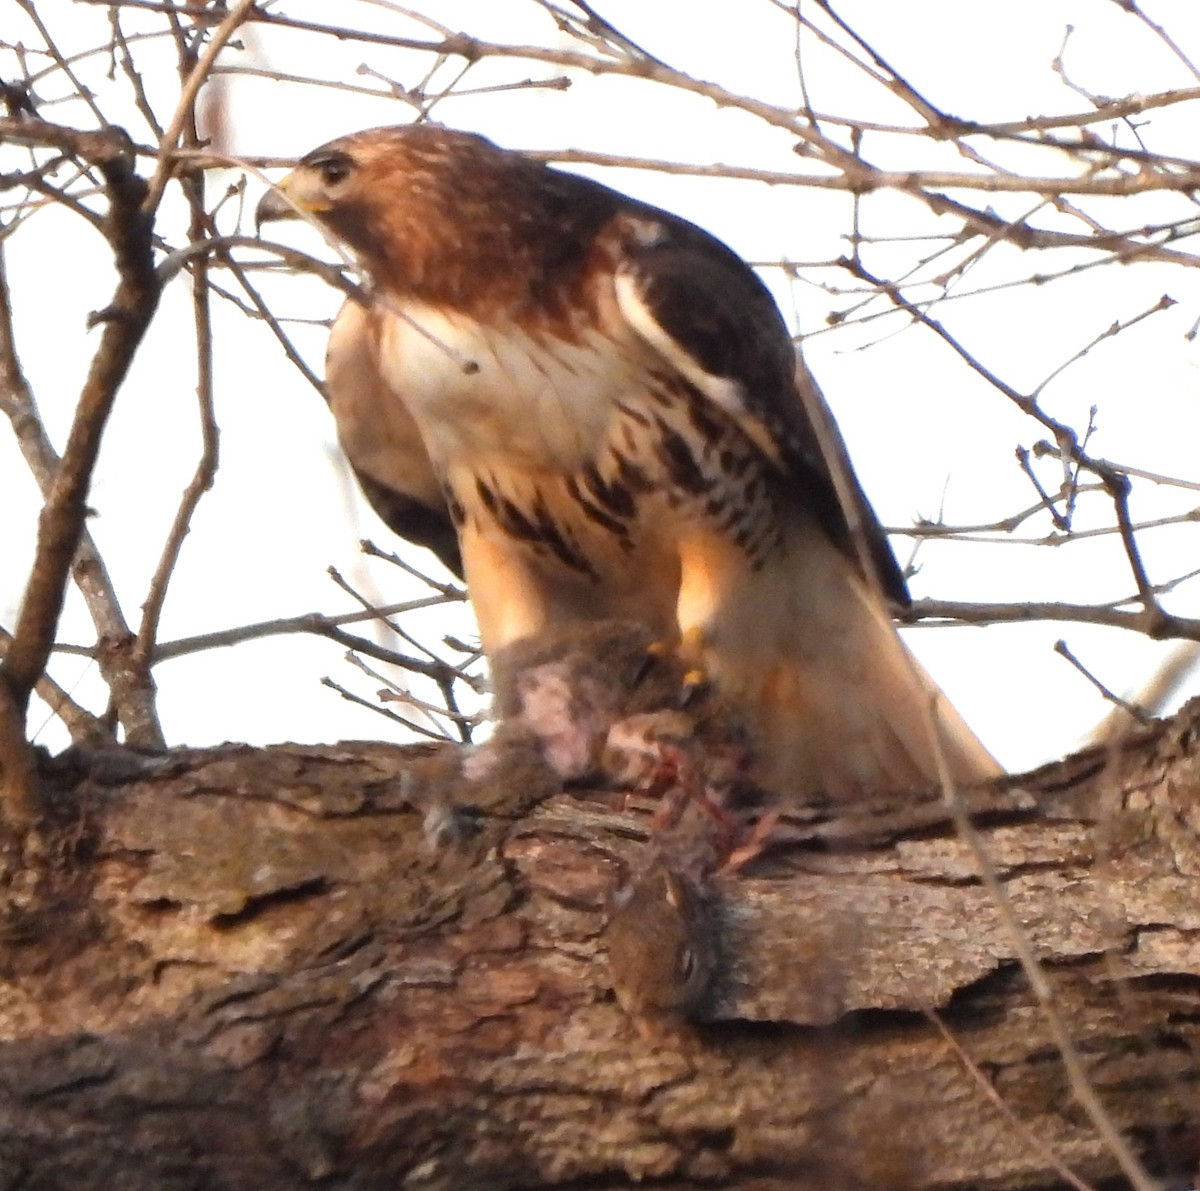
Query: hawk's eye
x=333 y=169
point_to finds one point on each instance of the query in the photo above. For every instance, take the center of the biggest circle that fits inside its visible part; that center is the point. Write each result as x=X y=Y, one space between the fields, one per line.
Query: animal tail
x=805 y=650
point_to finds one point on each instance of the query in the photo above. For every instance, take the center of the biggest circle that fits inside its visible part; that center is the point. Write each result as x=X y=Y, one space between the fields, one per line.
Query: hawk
x=595 y=409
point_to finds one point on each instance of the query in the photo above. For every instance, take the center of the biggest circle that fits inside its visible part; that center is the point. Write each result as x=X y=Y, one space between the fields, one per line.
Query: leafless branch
x=85 y=729
x=1155 y=623
x=1131 y=710
x=61 y=524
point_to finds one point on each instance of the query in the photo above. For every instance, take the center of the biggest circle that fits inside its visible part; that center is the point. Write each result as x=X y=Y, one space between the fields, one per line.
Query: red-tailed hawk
x=604 y=403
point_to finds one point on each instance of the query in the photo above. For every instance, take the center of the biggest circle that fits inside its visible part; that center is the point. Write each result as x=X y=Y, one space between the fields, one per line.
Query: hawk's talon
x=654 y=653
x=694 y=684
x=688 y=651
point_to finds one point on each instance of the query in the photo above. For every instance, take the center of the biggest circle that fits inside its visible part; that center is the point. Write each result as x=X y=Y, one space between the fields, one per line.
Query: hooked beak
x=275 y=204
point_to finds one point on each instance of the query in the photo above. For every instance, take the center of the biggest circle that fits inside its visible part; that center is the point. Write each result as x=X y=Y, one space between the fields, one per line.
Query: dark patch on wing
x=717 y=310
x=712 y=304
x=414 y=520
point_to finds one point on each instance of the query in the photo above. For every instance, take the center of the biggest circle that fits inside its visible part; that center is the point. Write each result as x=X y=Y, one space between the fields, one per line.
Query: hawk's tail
x=805 y=648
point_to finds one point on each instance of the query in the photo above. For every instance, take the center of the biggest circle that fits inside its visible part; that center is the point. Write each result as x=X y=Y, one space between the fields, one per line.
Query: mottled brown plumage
x=606 y=404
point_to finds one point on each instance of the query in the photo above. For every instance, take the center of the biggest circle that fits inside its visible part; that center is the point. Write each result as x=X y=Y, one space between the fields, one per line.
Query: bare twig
x=450 y=591
x=994 y=1098
x=403 y=721
x=85 y=729
x=141 y=655
x=185 y=108
x=1159 y=625
x=311 y=622
x=1152 y=697
x=392 y=692
x=1132 y=710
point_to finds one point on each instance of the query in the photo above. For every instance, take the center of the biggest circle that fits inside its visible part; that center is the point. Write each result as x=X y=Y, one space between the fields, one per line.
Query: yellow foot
x=695 y=683
x=689 y=650
x=692 y=645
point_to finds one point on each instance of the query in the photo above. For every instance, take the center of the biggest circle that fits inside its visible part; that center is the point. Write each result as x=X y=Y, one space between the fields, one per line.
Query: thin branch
x=387 y=713
x=1077 y=1076
x=1157 y=624
x=1062 y=433
x=86 y=729
x=433 y=668
x=1035 y=1143
x=121 y=43
x=1110 y=332
x=1131 y=709
x=88 y=571
x=394 y=693
x=1118 y=486
x=1167 y=40
x=63 y=64
x=856 y=174
x=309 y=622
x=184 y=108
x=1153 y=695
x=862 y=178
x=1047 y=501
x=200 y=228
x=345 y=586
x=451 y=591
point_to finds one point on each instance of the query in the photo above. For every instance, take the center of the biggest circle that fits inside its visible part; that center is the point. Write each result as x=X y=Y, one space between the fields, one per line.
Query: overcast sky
x=926 y=434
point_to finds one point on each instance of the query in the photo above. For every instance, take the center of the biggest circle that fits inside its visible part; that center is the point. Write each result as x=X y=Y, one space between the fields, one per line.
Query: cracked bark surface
x=250 y=968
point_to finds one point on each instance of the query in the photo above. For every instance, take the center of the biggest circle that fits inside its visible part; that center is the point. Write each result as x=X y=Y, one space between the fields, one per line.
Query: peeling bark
x=245 y=968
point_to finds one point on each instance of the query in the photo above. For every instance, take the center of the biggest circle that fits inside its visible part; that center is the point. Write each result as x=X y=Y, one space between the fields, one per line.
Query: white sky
x=922 y=428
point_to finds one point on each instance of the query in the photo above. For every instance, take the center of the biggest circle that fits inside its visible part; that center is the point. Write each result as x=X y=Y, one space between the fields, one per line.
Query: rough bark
x=245 y=968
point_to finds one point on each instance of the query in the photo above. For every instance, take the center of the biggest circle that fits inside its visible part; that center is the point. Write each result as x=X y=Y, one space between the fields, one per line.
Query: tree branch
x=61 y=523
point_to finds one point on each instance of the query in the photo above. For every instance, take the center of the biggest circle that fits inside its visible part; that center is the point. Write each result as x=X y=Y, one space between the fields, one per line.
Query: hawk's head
x=374 y=188
x=447 y=216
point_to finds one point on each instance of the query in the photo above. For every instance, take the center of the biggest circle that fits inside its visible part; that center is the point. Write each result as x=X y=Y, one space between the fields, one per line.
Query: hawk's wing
x=380 y=438
x=806 y=640
x=706 y=312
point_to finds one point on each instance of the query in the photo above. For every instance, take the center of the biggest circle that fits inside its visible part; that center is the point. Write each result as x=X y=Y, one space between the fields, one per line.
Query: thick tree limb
x=250 y=969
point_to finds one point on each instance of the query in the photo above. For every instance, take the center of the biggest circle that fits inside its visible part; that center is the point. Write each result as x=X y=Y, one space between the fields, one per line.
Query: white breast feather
x=478 y=390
